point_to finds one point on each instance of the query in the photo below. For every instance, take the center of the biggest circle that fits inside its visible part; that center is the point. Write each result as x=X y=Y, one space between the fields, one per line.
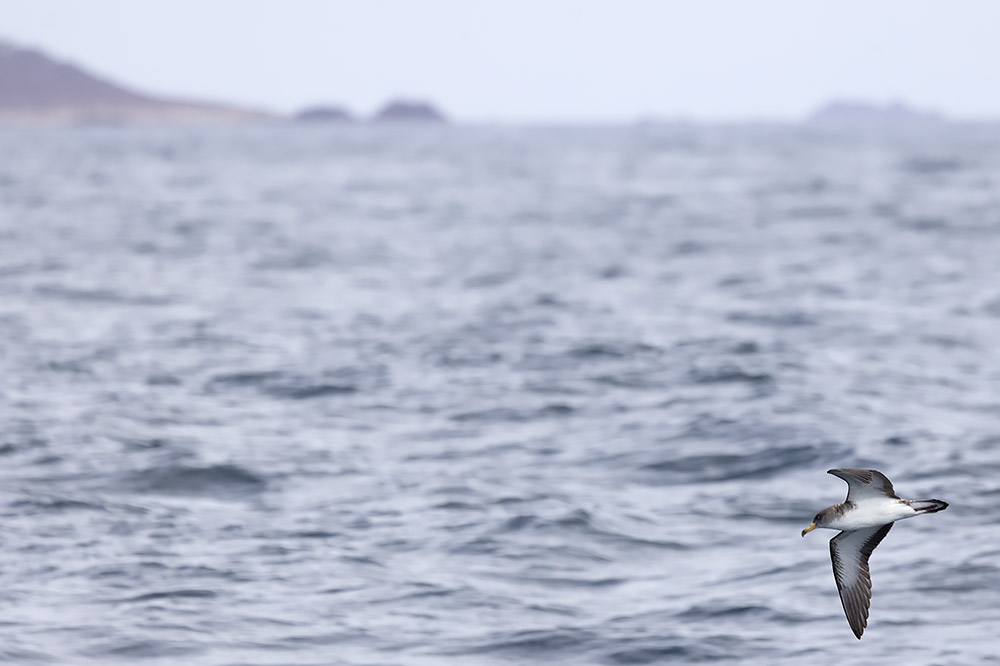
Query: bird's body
x=869 y=513
x=864 y=519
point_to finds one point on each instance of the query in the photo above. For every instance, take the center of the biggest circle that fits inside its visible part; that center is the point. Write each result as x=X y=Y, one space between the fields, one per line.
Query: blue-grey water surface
x=305 y=395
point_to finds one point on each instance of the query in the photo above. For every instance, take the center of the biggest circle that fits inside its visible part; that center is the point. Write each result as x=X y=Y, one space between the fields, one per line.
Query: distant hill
x=409 y=111
x=849 y=112
x=36 y=89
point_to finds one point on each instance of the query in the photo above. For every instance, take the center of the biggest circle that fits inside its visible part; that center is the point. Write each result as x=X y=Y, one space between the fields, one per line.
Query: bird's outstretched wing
x=864 y=483
x=850 y=552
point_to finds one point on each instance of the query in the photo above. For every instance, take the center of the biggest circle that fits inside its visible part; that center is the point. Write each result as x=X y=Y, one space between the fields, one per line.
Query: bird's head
x=821 y=519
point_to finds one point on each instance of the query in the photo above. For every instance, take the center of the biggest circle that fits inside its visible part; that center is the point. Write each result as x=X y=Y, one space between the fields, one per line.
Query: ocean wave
x=506 y=414
x=102 y=296
x=728 y=467
x=172 y=594
x=208 y=481
x=288 y=385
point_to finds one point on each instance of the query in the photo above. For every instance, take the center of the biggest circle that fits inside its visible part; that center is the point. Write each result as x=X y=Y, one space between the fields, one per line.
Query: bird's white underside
x=872 y=512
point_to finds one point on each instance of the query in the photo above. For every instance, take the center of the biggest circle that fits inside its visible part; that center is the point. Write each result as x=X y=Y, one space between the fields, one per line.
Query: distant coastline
x=39 y=90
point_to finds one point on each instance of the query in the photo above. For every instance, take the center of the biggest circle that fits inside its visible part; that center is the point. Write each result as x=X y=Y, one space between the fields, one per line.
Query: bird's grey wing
x=850 y=552
x=864 y=483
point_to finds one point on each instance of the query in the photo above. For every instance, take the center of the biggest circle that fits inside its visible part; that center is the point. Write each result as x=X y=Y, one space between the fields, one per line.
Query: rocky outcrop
x=324 y=114
x=845 y=112
x=409 y=111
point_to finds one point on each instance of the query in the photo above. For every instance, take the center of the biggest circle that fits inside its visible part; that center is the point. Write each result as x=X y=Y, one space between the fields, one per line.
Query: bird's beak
x=809 y=529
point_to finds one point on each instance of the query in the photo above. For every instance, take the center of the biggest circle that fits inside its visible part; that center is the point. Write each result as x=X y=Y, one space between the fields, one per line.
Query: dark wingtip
x=858 y=631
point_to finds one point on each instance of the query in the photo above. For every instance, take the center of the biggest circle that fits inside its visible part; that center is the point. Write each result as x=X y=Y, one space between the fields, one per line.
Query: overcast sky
x=548 y=60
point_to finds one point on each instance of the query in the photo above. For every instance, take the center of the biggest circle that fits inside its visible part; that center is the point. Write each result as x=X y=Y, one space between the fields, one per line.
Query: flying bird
x=864 y=519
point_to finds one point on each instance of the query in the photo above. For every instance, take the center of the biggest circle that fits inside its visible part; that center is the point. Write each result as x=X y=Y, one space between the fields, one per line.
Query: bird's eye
x=816 y=518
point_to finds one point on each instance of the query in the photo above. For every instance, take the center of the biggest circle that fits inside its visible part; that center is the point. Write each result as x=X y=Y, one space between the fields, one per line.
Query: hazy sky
x=581 y=60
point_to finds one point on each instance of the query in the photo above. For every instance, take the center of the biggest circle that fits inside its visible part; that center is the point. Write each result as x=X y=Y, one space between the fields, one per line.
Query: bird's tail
x=928 y=506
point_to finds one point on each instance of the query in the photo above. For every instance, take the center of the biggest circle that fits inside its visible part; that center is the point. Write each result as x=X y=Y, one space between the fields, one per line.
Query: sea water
x=493 y=395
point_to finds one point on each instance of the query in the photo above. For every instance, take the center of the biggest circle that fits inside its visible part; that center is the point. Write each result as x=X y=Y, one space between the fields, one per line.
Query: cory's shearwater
x=865 y=517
